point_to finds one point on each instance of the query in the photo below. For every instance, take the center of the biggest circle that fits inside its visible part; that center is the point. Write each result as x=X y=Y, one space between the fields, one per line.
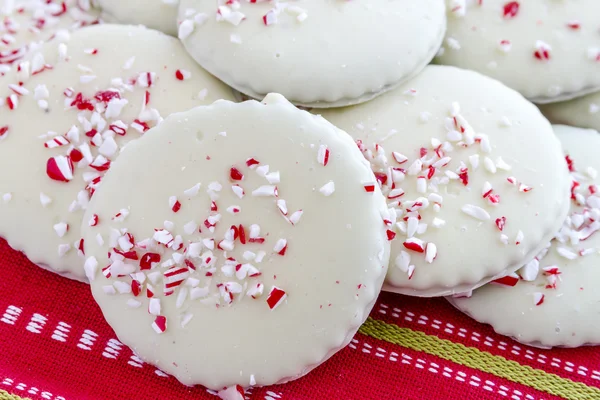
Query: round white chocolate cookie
x=583 y=112
x=246 y=252
x=81 y=100
x=25 y=24
x=473 y=171
x=156 y=14
x=547 y=50
x=316 y=53
x=554 y=301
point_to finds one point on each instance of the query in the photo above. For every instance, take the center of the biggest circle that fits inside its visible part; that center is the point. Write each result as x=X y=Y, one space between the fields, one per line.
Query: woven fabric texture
x=55 y=345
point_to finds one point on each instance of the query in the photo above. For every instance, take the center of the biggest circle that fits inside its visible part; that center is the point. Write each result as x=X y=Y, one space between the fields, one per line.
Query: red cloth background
x=54 y=345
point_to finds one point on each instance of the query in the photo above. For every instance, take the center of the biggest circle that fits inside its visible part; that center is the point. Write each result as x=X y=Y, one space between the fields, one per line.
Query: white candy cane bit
x=501 y=164
x=566 y=253
x=280 y=247
x=121 y=215
x=505 y=45
x=186 y=28
x=519 y=238
x=529 y=272
x=430 y=252
x=415 y=167
x=421 y=184
x=402 y=261
x=238 y=191
x=265 y=191
x=190 y=228
x=61 y=229
x=273 y=177
x=399 y=158
x=282 y=205
x=256 y=291
x=438 y=223
x=328 y=189
x=154 y=306
x=295 y=217
x=538 y=298
x=323 y=155
x=91 y=268
x=234 y=209
x=475 y=212
x=193 y=191
x=489 y=165
x=503 y=238
x=45 y=200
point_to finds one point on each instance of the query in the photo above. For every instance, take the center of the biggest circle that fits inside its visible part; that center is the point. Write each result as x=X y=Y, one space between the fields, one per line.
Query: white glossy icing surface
x=155 y=14
x=474 y=172
x=319 y=53
x=548 y=50
x=112 y=59
x=583 y=112
x=235 y=200
x=556 y=301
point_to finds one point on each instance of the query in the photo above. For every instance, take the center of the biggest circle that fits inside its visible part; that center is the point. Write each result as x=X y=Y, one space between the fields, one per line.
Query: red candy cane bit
x=538 y=298
x=500 y=223
x=570 y=164
x=160 y=324
x=174 y=204
x=430 y=172
x=148 y=260
x=107 y=95
x=542 y=51
x=508 y=280
x=235 y=174
x=130 y=255
x=381 y=178
x=414 y=244
x=76 y=155
x=575 y=25
x=94 y=220
x=276 y=297
x=82 y=103
x=369 y=188
x=3 y=131
x=213 y=206
x=464 y=176
x=511 y=9
x=251 y=162
x=280 y=247
x=391 y=235
x=60 y=168
x=136 y=288
x=242 y=234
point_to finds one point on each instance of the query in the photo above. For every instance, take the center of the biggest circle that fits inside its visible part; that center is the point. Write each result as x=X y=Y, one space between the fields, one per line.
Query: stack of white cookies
x=238 y=244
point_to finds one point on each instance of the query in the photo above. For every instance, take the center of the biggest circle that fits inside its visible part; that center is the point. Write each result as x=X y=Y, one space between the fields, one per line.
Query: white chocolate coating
x=547 y=50
x=331 y=267
x=583 y=112
x=155 y=14
x=317 y=53
x=26 y=24
x=448 y=197
x=99 y=58
x=559 y=303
